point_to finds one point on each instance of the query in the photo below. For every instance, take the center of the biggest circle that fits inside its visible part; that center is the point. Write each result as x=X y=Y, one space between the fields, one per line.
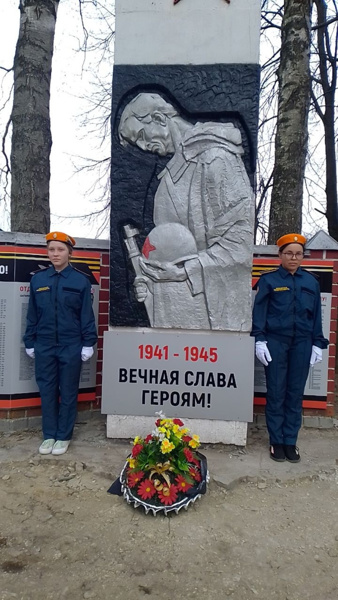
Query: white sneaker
x=47 y=446
x=60 y=446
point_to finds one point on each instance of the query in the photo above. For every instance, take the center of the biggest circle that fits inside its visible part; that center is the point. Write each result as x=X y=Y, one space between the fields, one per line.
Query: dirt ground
x=265 y=536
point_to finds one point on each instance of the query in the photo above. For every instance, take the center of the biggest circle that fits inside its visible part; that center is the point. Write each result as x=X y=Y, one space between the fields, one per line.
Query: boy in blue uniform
x=289 y=338
x=60 y=333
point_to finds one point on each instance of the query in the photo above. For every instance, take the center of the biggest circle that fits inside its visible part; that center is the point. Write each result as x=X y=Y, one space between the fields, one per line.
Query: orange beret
x=58 y=236
x=291 y=238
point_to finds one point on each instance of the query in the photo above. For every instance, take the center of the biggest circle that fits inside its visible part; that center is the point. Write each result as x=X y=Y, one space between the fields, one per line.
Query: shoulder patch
x=81 y=272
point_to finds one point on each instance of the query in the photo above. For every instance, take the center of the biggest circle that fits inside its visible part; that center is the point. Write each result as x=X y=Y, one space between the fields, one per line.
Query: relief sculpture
x=194 y=271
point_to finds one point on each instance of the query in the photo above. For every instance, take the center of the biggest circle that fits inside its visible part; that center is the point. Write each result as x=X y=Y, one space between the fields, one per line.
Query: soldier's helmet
x=170 y=243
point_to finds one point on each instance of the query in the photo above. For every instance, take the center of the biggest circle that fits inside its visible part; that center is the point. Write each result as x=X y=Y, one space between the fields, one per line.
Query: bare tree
x=293 y=107
x=324 y=83
x=271 y=20
x=30 y=117
x=320 y=174
x=95 y=120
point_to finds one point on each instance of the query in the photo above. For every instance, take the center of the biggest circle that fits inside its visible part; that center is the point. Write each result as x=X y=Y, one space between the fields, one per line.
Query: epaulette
x=262 y=275
x=315 y=275
x=41 y=269
x=269 y=271
x=79 y=271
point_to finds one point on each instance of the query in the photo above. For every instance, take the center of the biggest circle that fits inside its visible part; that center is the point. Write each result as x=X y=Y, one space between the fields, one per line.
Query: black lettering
x=164 y=378
x=198 y=401
x=164 y=396
x=153 y=376
x=123 y=375
x=132 y=375
x=221 y=380
x=187 y=379
x=232 y=381
x=143 y=375
x=174 y=377
x=200 y=374
x=144 y=392
x=211 y=380
x=174 y=398
x=185 y=399
x=153 y=396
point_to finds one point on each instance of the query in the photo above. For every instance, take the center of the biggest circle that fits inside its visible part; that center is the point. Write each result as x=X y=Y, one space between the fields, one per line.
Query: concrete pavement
x=227 y=464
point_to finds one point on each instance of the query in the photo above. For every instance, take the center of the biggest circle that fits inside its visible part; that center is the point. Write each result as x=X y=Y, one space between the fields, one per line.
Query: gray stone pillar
x=184 y=122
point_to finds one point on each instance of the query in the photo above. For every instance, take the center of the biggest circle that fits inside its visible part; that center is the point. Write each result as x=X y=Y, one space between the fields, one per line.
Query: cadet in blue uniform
x=289 y=338
x=60 y=333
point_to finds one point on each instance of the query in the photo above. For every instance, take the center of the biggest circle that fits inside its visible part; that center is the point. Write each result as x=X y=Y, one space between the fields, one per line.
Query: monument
x=184 y=131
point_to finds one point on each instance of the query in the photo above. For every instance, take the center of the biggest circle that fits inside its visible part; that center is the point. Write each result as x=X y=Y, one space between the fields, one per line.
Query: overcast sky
x=72 y=81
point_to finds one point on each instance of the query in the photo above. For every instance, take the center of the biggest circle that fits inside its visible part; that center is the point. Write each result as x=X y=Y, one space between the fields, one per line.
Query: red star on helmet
x=147 y=246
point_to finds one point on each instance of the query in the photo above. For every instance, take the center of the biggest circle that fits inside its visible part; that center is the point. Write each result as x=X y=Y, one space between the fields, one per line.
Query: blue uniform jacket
x=60 y=309
x=288 y=307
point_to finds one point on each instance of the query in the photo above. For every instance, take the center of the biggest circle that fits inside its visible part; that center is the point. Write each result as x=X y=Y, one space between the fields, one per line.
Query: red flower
x=186 y=438
x=188 y=454
x=182 y=484
x=178 y=422
x=135 y=478
x=194 y=474
x=168 y=495
x=136 y=450
x=195 y=461
x=146 y=489
x=158 y=422
x=148 y=438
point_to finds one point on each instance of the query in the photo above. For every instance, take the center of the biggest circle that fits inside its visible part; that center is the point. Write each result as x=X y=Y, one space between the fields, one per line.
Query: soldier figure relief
x=195 y=267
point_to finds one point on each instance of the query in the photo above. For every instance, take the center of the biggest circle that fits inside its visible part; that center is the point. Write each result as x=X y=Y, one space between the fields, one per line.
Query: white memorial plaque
x=186 y=374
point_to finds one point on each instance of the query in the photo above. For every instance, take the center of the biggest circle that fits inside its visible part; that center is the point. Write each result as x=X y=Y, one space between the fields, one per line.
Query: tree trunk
x=328 y=81
x=293 y=108
x=31 y=135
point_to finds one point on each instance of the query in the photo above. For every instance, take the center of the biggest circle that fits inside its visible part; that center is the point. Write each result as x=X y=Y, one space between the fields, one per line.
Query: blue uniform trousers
x=286 y=377
x=57 y=372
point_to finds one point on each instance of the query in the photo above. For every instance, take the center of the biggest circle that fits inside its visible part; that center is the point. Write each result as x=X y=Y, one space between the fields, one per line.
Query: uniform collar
x=65 y=272
x=284 y=273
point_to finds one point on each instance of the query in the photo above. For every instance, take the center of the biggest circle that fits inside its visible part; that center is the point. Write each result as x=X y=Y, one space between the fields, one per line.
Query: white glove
x=316 y=356
x=263 y=353
x=30 y=352
x=86 y=353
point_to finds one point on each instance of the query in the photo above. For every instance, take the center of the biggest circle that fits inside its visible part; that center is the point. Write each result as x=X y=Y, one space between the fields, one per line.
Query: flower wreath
x=164 y=470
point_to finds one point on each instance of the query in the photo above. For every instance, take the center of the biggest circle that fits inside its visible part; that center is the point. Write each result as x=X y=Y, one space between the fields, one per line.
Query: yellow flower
x=184 y=430
x=162 y=429
x=195 y=442
x=167 y=433
x=131 y=462
x=137 y=440
x=167 y=446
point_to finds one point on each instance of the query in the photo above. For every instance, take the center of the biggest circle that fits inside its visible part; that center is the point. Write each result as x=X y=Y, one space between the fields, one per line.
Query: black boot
x=291 y=453
x=277 y=452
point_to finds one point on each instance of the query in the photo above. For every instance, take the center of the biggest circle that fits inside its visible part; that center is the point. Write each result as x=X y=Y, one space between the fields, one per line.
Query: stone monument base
x=210 y=431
